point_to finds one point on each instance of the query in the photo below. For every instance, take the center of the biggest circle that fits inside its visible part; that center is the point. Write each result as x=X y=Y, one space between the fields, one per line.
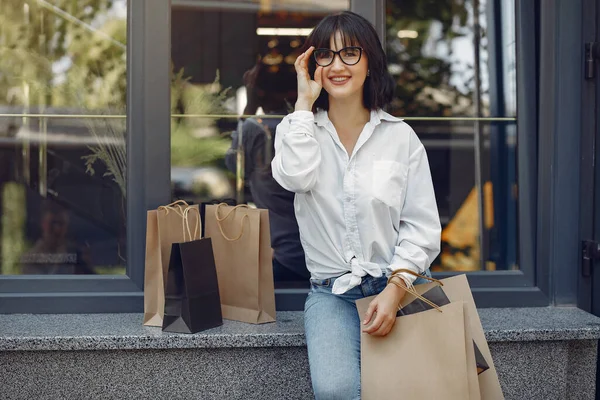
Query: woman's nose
x=337 y=63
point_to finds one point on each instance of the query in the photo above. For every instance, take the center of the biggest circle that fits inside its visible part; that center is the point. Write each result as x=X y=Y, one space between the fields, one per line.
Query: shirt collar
x=321 y=118
x=382 y=115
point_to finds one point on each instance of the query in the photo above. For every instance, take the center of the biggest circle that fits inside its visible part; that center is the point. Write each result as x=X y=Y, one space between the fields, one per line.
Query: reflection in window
x=62 y=165
x=431 y=51
x=232 y=60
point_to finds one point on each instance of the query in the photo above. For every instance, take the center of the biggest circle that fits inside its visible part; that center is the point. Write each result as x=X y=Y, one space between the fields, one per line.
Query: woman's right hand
x=308 y=89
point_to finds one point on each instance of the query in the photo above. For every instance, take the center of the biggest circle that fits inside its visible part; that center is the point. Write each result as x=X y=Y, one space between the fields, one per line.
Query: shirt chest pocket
x=388 y=182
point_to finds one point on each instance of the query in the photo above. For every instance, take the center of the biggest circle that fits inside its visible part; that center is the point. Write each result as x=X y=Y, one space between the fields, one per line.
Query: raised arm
x=297 y=152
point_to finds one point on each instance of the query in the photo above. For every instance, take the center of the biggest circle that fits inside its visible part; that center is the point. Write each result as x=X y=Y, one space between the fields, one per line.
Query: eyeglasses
x=348 y=55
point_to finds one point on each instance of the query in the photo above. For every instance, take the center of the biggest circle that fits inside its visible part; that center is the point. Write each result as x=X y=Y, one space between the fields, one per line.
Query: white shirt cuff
x=409 y=279
x=303 y=115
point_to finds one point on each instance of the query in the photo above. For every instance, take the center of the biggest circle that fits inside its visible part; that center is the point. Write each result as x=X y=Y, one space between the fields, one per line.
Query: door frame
x=590 y=170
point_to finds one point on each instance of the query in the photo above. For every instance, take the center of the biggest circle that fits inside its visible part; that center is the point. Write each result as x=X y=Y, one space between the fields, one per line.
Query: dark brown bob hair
x=355 y=31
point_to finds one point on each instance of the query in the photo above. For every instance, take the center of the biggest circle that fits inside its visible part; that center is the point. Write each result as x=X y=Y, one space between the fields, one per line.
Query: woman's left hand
x=384 y=307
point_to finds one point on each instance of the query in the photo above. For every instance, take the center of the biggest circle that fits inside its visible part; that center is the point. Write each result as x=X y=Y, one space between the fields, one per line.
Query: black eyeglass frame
x=360 y=51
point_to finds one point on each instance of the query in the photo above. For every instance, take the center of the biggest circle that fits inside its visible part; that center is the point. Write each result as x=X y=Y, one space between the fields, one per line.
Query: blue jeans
x=332 y=328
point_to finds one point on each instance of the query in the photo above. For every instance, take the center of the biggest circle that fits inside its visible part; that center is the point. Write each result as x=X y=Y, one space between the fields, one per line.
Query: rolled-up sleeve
x=297 y=153
x=420 y=229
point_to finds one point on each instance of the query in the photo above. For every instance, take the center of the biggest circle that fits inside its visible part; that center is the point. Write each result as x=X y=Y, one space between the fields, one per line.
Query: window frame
x=148 y=182
x=561 y=166
x=590 y=169
x=528 y=285
x=544 y=226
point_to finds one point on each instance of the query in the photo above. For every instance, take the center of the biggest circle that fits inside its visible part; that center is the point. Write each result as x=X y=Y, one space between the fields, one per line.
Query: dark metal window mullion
x=477 y=134
x=589 y=212
x=560 y=125
x=374 y=11
x=527 y=134
x=148 y=123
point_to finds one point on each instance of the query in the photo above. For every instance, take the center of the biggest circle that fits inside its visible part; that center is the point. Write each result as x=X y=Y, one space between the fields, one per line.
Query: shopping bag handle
x=186 y=223
x=183 y=213
x=221 y=219
x=172 y=205
x=411 y=289
x=410 y=272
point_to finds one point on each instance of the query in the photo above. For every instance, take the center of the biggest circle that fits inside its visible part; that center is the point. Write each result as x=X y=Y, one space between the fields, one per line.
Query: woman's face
x=343 y=81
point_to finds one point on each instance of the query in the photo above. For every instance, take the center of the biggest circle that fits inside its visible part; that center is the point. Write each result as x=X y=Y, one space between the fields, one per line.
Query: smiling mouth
x=339 y=79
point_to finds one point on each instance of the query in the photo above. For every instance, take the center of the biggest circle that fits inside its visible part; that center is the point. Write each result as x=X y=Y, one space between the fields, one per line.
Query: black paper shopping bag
x=192 y=301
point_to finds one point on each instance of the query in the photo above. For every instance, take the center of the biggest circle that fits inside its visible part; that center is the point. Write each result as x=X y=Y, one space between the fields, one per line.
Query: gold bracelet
x=403 y=270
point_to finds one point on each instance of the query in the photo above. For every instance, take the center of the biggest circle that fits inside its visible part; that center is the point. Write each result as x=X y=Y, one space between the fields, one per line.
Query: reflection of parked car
x=200 y=184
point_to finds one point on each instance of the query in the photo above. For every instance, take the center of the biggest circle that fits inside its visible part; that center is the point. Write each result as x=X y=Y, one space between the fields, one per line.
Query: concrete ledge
x=125 y=331
x=539 y=353
x=225 y=374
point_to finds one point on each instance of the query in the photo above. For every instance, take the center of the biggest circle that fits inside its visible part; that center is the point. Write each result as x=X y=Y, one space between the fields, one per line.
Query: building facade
x=110 y=108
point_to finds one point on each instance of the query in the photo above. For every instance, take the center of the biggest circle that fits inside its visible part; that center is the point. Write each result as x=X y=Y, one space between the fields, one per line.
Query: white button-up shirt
x=370 y=212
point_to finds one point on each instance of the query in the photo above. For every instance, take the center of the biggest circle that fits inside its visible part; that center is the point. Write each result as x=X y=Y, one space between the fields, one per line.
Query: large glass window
x=62 y=137
x=456 y=86
x=233 y=80
x=454 y=62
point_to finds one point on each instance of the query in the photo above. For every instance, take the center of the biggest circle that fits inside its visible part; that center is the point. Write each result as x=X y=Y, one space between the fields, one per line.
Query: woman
x=364 y=200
